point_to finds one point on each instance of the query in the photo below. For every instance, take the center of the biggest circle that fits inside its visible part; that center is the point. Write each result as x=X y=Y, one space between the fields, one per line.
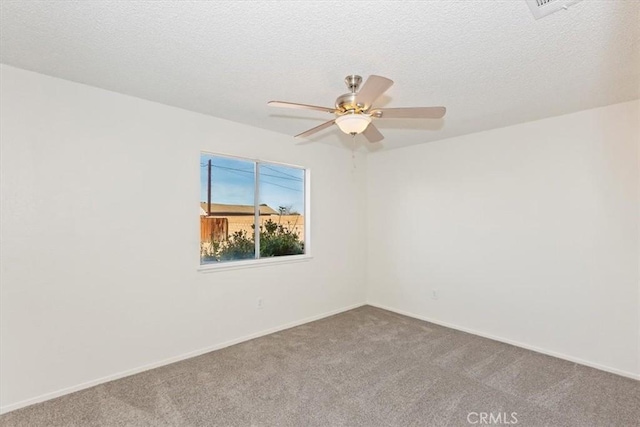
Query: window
x=250 y=209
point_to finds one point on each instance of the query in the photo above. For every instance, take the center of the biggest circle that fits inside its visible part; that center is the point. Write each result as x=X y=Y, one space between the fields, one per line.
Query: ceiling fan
x=354 y=110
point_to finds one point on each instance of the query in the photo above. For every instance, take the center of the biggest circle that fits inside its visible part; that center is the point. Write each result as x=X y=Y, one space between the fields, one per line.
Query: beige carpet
x=366 y=367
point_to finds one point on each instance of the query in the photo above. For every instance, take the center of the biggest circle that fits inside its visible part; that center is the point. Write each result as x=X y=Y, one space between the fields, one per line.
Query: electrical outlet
x=260 y=303
x=435 y=294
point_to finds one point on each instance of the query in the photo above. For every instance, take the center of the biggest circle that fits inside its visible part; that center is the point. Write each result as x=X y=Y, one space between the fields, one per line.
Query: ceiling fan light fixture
x=353 y=123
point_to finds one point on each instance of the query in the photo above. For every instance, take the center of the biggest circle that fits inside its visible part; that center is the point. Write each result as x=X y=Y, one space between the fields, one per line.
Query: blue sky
x=232 y=182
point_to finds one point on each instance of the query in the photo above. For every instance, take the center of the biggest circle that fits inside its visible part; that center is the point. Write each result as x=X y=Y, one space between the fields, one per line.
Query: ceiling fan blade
x=315 y=129
x=409 y=113
x=372 y=89
x=283 y=104
x=372 y=133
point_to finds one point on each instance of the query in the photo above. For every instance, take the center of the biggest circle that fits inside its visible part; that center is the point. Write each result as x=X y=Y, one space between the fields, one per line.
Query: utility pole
x=209 y=188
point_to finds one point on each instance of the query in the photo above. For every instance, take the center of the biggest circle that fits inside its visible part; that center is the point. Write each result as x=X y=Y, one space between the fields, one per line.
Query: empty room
x=320 y=213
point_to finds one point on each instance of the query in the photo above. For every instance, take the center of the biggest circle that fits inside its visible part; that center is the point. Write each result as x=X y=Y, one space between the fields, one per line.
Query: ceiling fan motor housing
x=347 y=103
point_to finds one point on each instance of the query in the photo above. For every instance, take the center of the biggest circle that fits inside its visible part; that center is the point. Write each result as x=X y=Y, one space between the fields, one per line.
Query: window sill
x=252 y=263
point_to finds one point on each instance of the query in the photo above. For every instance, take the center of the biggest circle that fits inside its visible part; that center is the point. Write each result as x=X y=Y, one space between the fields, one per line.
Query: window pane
x=227 y=215
x=281 y=210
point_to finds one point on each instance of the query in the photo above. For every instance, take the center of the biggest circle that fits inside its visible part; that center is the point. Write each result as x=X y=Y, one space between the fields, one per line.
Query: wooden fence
x=213 y=229
x=218 y=229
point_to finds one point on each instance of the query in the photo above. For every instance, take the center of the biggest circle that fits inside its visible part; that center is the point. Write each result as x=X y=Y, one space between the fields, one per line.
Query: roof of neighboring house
x=218 y=209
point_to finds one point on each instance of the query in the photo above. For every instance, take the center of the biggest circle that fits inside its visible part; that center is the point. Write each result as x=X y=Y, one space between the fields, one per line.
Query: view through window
x=250 y=209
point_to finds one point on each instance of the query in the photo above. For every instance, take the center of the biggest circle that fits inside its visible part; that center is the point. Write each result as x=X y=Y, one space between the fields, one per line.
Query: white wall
x=530 y=233
x=100 y=245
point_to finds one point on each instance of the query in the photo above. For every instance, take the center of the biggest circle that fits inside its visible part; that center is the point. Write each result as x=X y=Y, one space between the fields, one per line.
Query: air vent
x=542 y=8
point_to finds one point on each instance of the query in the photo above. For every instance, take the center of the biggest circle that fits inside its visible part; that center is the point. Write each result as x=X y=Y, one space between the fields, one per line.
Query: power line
x=262 y=181
x=280 y=177
x=237 y=172
x=262 y=165
x=278 y=185
x=278 y=171
x=251 y=172
x=227 y=167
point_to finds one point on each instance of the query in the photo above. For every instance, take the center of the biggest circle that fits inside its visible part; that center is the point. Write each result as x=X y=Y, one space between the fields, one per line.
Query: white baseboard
x=514 y=343
x=98 y=381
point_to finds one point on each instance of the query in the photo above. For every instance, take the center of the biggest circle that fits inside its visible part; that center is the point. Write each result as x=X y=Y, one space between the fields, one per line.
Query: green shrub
x=239 y=246
x=278 y=240
x=275 y=240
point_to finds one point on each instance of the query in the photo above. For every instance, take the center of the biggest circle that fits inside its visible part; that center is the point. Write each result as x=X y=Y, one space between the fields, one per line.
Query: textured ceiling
x=489 y=62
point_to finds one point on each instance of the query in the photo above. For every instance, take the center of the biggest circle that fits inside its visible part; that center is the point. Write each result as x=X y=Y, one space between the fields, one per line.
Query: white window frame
x=257 y=261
